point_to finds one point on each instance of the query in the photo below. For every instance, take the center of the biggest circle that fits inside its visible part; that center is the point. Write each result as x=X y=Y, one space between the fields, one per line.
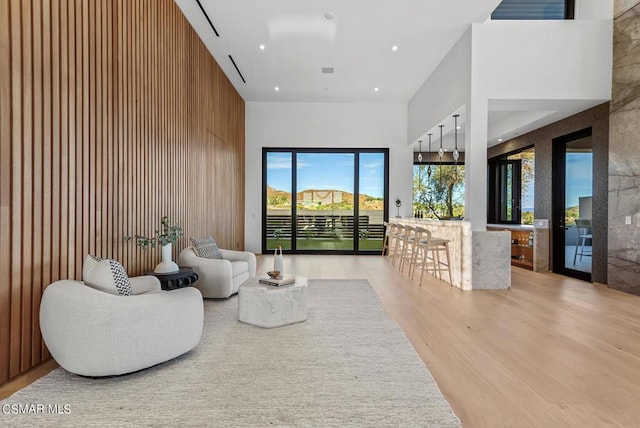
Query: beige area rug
x=348 y=365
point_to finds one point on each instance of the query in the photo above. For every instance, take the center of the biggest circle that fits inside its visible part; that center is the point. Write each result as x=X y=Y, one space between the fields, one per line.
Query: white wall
x=512 y=60
x=446 y=89
x=520 y=60
x=324 y=125
x=594 y=9
x=573 y=61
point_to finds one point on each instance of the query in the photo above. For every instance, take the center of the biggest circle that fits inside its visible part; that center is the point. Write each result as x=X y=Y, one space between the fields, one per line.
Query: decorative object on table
x=398 y=204
x=278 y=261
x=165 y=237
x=273 y=273
x=277 y=281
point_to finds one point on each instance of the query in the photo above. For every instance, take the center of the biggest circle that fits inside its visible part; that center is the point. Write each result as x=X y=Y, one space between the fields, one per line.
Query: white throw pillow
x=106 y=275
x=206 y=248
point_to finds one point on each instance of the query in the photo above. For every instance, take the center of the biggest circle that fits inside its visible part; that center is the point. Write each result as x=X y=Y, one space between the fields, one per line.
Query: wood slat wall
x=112 y=114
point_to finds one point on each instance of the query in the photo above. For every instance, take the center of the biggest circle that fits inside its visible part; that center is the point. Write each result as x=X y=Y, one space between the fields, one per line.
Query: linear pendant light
x=441 y=151
x=456 y=155
x=429 y=160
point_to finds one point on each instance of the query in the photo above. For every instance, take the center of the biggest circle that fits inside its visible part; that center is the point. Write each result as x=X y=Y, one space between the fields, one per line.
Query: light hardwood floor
x=550 y=352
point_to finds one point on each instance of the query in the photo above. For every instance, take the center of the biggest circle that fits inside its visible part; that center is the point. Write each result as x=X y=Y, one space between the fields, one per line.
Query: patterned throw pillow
x=106 y=275
x=206 y=248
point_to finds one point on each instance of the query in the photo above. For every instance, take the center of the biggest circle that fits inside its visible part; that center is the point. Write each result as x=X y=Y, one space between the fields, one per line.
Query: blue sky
x=327 y=171
x=579 y=176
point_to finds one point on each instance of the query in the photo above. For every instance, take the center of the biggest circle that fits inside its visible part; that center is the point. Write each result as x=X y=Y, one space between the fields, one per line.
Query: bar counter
x=458 y=232
x=480 y=260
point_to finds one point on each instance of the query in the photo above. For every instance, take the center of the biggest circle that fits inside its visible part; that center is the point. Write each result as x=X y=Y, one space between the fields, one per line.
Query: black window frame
x=497 y=191
x=356 y=184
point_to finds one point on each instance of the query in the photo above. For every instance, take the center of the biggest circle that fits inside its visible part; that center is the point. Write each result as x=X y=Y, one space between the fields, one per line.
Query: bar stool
x=420 y=256
x=385 y=240
x=436 y=246
x=396 y=236
x=408 y=247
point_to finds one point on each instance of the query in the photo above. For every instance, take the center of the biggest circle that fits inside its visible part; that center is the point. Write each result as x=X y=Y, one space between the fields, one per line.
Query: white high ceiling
x=357 y=42
x=299 y=40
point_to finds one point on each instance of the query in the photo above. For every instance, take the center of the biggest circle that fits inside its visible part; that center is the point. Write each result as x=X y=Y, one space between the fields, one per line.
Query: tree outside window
x=438 y=195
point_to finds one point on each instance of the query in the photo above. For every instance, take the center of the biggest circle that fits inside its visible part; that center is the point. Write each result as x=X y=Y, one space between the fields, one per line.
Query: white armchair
x=220 y=278
x=93 y=333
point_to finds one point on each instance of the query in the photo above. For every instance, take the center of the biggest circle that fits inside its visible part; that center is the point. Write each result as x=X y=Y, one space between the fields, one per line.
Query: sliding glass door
x=325 y=194
x=278 y=200
x=318 y=200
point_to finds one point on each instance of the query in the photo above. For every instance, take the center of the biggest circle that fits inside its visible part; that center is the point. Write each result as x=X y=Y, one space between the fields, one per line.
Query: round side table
x=184 y=277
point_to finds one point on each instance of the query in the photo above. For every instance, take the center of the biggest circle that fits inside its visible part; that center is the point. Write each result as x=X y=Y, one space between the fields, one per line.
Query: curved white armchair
x=220 y=278
x=93 y=333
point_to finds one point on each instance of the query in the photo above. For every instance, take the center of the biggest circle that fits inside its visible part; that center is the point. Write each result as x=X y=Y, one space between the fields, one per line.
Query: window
x=511 y=188
x=323 y=200
x=438 y=191
x=538 y=10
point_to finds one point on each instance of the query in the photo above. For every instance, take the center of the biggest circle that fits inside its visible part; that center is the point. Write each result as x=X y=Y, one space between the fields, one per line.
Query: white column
x=475 y=176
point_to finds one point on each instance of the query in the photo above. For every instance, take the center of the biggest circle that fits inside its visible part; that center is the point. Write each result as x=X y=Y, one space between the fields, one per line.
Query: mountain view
x=322 y=199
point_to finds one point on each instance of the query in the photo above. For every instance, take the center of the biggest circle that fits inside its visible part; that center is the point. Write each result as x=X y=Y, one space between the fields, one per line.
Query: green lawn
x=326 y=244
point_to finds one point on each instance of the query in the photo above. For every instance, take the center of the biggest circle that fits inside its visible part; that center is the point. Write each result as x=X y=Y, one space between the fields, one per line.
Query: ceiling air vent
x=208 y=20
x=327 y=70
x=237 y=69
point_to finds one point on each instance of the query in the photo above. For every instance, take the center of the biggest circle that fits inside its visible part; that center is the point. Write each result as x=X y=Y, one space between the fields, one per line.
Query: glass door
x=332 y=200
x=278 y=167
x=572 y=200
x=325 y=201
x=371 y=201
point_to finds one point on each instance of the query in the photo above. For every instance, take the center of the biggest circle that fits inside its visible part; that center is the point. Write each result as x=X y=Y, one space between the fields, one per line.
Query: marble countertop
x=435 y=222
x=528 y=227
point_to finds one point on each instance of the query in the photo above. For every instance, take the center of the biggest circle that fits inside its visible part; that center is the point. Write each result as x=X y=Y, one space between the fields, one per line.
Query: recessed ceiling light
x=458 y=127
x=329 y=15
x=376 y=89
x=262 y=47
x=276 y=88
x=499 y=139
x=394 y=48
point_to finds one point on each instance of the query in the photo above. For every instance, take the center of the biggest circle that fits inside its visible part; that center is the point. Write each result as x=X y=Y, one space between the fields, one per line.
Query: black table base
x=184 y=277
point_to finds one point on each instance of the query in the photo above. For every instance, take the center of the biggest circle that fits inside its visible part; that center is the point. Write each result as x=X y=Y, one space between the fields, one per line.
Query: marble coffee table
x=268 y=306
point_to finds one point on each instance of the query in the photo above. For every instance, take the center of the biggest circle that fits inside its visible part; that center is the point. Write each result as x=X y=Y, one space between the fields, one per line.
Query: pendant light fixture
x=441 y=151
x=429 y=160
x=420 y=152
x=456 y=155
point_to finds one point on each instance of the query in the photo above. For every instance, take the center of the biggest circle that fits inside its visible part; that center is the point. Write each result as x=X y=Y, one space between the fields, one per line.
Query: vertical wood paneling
x=16 y=186
x=47 y=141
x=37 y=189
x=112 y=114
x=27 y=183
x=5 y=189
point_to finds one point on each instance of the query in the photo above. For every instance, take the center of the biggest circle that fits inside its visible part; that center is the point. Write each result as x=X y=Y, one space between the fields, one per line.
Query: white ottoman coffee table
x=268 y=306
